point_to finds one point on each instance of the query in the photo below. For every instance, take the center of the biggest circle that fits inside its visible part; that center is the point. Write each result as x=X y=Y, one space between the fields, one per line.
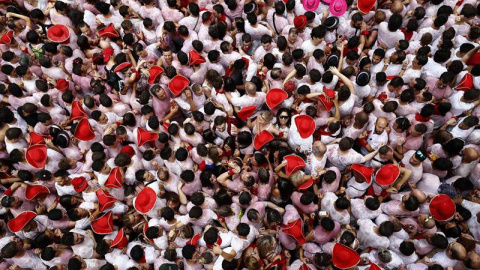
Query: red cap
x=36 y=156
x=387 y=175
x=305 y=125
x=34 y=191
x=178 y=84
x=289 y=86
x=145 y=200
x=195 y=58
x=365 y=6
x=84 y=131
x=275 y=97
x=300 y=22
x=120 y=241
x=363 y=171
x=442 y=208
x=77 y=111
x=79 y=183
x=103 y=224
x=344 y=257
x=36 y=138
x=122 y=66
x=114 y=179
x=108 y=31
x=246 y=112
x=105 y=200
x=58 y=33
x=144 y=136
x=294 y=164
x=155 y=71
x=16 y=224
x=466 y=83
x=62 y=85
x=7 y=38
x=330 y=94
x=262 y=138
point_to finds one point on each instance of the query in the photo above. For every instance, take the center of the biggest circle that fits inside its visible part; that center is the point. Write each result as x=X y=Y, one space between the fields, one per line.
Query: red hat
x=305 y=125
x=16 y=224
x=120 y=241
x=77 y=111
x=330 y=94
x=127 y=149
x=62 y=85
x=365 y=171
x=114 y=179
x=344 y=257
x=7 y=37
x=275 y=97
x=195 y=58
x=103 y=224
x=475 y=59
x=108 y=31
x=294 y=163
x=107 y=53
x=246 y=112
x=442 y=208
x=36 y=138
x=122 y=66
x=178 y=84
x=145 y=200
x=79 y=183
x=262 y=138
x=36 y=155
x=387 y=175
x=84 y=131
x=58 y=33
x=155 y=71
x=144 y=136
x=300 y=21
x=33 y=191
x=105 y=200
x=466 y=83
x=289 y=86
x=365 y=5
x=374 y=266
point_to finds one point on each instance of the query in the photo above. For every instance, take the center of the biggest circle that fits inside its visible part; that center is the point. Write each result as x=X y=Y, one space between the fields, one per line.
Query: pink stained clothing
x=439 y=94
x=233 y=220
x=332 y=187
x=63 y=258
x=368 y=237
x=413 y=143
x=429 y=184
x=26 y=205
x=328 y=204
x=341 y=161
x=322 y=236
x=394 y=208
x=417 y=171
x=264 y=190
x=260 y=207
x=172 y=14
x=60 y=19
x=306 y=209
x=360 y=210
x=27 y=260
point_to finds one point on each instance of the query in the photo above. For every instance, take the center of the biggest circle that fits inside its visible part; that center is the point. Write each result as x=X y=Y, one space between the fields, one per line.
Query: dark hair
x=386 y=229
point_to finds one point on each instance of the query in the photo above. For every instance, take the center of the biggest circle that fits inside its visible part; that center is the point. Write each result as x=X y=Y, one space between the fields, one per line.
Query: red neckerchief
x=295 y=230
x=219 y=242
x=142 y=260
x=420 y=118
x=221 y=91
x=408 y=35
x=223 y=18
x=305 y=186
x=247 y=62
x=194 y=240
x=220 y=218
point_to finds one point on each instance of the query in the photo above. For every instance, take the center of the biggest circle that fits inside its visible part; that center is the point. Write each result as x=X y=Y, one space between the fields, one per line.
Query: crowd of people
x=240 y=134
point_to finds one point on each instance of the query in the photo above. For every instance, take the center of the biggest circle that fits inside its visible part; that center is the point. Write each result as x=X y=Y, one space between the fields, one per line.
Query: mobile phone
x=322 y=213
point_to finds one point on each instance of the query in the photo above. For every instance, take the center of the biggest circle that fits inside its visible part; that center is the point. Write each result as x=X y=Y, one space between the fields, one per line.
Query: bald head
x=250 y=88
x=470 y=154
x=397 y=7
x=319 y=149
x=380 y=125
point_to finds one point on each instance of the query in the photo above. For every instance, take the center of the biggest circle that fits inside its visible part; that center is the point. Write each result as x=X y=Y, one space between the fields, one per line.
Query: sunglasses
x=420 y=156
x=283 y=117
